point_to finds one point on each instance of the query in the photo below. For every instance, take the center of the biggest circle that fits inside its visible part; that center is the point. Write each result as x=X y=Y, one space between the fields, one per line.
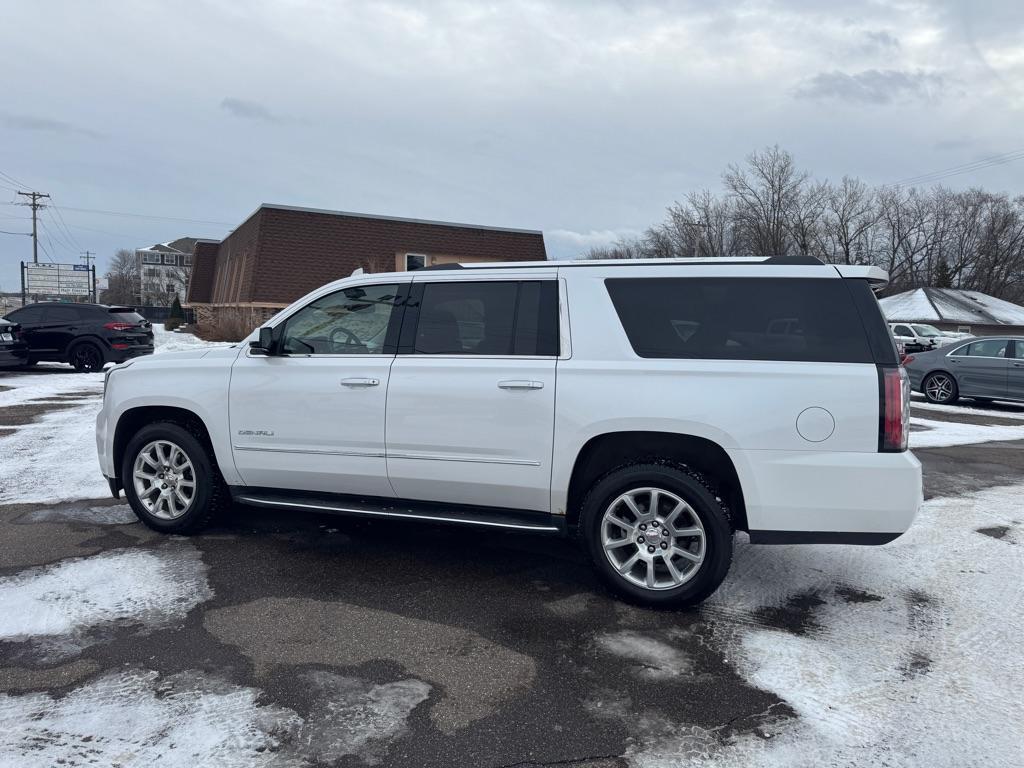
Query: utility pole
x=89 y=257
x=35 y=205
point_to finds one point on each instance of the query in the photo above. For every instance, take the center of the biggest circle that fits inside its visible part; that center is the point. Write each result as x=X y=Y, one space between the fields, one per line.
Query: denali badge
x=256 y=432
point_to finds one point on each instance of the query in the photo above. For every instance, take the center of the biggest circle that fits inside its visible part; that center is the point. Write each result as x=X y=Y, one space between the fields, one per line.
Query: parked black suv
x=85 y=335
x=13 y=351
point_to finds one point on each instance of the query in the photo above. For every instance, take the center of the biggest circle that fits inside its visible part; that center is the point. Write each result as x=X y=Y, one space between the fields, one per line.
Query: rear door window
x=792 y=319
x=496 y=318
x=988 y=348
x=61 y=314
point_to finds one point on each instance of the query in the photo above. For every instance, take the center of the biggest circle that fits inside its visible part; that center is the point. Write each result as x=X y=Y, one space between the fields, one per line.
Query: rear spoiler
x=877 y=277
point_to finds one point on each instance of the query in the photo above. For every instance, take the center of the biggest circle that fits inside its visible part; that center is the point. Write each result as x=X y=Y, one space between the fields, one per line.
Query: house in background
x=280 y=253
x=952 y=309
x=164 y=271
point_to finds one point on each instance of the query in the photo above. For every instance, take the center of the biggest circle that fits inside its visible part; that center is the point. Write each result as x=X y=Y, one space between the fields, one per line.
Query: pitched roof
x=951 y=305
x=181 y=245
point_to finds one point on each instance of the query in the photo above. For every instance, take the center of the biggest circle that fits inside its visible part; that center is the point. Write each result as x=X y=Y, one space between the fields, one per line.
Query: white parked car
x=649 y=408
x=918 y=337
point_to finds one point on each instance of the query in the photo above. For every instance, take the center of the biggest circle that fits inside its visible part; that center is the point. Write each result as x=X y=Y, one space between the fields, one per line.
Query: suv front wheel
x=657 y=535
x=170 y=479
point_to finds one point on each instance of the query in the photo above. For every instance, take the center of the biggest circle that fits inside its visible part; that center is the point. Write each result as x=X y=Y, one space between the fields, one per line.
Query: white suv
x=650 y=408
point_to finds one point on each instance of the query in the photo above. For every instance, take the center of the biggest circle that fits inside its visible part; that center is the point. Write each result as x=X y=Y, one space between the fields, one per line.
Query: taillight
x=119 y=326
x=894 y=409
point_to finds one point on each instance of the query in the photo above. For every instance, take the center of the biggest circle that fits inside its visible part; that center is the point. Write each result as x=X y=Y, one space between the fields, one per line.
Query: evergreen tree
x=176 y=311
x=943 y=277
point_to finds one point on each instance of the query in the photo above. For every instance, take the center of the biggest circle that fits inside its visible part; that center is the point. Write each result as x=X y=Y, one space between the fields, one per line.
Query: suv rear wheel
x=86 y=356
x=170 y=479
x=657 y=535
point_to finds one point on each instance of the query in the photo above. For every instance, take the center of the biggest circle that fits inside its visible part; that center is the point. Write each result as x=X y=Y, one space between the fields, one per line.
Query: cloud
x=570 y=244
x=43 y=125
x=880 y=41
x=248 y=110
x=872 y=86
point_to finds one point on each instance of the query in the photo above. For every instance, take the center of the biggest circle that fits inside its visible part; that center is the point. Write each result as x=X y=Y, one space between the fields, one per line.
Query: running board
x=402 y=509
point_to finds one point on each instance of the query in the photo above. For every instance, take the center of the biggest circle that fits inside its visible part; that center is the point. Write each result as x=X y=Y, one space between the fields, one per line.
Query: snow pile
x=134 y=719
x=937 y=434
x=1003 y=411
x=911 y=655
x=58 y=605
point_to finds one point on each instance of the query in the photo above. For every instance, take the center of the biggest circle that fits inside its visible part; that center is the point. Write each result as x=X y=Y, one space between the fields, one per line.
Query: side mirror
x=264 y=345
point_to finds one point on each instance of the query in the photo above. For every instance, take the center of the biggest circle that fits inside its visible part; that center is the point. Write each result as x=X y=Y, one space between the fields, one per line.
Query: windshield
x=927 y=330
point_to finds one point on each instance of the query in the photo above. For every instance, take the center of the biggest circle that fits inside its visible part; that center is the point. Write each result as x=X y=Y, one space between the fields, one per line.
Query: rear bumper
x=829 y=497
x=12 y=356
x=121 y=355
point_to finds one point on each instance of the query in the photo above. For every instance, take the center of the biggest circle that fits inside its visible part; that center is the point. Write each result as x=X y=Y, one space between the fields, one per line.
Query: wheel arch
x=133 y=419
x=603 y=453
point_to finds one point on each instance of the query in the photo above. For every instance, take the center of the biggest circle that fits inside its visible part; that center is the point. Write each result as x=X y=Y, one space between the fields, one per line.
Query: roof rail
x=794 y=261
x=450 y=265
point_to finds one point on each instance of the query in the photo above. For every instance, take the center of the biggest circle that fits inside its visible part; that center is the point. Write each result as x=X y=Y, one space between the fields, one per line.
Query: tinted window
x=353 y=321
x=801 y=319
x=62 y=314
x=988 y=348
x=126 y=316
x=487 y=318
x=27 y=315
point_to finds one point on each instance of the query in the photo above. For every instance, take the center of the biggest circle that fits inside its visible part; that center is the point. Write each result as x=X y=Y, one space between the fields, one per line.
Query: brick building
x=281 y=253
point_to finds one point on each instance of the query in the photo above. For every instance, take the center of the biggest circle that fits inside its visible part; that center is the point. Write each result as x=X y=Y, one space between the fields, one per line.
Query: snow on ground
x=937 y=434
x=136 y=719
x=652 y=658
x=910 y=654
x=1005 y=410
x=119 y=514
x=58 y=605
x=54 y=458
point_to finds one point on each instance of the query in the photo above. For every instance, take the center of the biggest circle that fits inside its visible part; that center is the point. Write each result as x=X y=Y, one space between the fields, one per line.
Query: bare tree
x=850 y=213
x=123 y=279
x=765 y=192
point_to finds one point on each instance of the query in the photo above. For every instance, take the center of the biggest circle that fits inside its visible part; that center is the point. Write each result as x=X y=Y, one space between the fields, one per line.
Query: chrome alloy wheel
x=939 y=387
x=165 y=480
x=653 y=538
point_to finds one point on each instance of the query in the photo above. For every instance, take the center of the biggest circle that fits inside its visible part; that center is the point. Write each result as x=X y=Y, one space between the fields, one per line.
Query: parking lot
x=288 y=639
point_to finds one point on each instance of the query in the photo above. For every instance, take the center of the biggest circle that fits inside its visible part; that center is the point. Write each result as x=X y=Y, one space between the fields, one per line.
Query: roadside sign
x=58 y=279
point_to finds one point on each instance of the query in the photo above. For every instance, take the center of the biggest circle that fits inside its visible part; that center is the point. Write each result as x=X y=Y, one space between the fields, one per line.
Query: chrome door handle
x=360 y=382
x=520 y=384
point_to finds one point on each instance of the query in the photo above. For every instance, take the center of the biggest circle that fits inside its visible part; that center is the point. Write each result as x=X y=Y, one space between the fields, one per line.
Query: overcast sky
x=584 y=119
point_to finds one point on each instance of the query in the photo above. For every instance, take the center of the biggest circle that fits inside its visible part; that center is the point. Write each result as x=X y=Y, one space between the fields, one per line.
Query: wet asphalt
x=505 y=628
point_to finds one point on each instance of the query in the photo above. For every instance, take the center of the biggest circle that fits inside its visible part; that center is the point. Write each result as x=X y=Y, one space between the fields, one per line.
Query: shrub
x=227 y=327
x=173 y=322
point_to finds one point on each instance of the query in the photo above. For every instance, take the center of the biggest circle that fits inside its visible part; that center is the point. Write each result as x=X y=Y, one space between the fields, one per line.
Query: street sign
x=58 y=279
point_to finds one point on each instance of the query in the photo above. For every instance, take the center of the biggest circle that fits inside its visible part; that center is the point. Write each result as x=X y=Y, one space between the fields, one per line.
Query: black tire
x=211 y=495
x=86 y=357
x=691 y=488
x=931 y=382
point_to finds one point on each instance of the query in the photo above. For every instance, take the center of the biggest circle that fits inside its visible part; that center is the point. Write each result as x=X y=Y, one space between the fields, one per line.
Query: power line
x=64 y=224
x=13 y=180
x=944 y=173
x=5 y=232
x=145 y=216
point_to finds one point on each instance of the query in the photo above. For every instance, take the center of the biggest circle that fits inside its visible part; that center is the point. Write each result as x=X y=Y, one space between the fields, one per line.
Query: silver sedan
x=979 y=368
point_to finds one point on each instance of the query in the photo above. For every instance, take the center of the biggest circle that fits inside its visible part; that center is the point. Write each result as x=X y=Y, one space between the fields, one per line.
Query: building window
x=188 y=259
x=150 y=258
x=170 y=288
x=151 y=272
x=415 y=261
x=170 y=258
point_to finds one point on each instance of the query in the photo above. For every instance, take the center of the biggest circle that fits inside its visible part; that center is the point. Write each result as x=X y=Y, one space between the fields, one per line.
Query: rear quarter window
x=789 y=319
